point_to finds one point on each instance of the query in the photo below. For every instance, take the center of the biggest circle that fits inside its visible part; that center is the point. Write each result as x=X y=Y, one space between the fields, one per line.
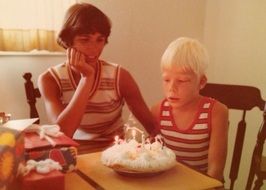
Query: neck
x=190 y=106
x=94 y=64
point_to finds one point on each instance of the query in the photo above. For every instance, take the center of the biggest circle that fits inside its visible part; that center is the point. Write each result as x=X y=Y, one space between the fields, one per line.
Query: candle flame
x=134 y=133
x=116 y=139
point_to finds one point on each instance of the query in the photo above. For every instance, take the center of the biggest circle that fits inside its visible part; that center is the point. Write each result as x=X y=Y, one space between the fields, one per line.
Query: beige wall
x=234 y=34
x=233 y=30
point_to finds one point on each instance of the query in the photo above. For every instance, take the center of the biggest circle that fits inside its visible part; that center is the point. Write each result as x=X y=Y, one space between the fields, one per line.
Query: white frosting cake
x=143 y=157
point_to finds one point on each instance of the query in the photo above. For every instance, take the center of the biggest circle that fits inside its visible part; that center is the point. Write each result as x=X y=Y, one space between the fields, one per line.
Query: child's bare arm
x=155 y=111
x=68 y=118
x=218 y=141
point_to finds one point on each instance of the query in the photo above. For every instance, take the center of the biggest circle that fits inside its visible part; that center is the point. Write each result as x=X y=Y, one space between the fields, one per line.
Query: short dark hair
x=83 y=18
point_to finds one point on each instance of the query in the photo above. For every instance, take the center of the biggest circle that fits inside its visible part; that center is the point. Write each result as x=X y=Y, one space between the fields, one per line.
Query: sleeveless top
x=102 y=119
x=190 y=145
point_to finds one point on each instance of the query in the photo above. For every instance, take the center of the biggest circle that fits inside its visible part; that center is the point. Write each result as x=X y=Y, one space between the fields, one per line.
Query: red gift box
x=64 y=151
x=65 y=156
x=36 y=181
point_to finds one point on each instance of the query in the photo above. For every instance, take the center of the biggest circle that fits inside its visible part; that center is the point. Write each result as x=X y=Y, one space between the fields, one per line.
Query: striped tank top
x=102 y=119
x=190 y=145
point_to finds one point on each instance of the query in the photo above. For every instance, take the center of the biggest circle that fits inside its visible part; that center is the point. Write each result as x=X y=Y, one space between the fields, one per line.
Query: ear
x=203 y=81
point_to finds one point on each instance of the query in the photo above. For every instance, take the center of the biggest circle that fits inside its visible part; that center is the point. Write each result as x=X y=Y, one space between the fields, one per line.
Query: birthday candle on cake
x=142 y=140
x=134 y=134
x=149 y=143
x=116 y=140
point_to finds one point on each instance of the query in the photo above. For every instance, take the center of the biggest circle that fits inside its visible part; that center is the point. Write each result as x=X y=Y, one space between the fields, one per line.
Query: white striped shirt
x=191 y=145
x=103 y=115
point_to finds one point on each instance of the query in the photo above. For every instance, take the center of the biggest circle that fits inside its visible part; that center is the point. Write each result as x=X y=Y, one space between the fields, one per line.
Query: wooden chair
x=32 y=94
x=237 y=97
x=258 y=162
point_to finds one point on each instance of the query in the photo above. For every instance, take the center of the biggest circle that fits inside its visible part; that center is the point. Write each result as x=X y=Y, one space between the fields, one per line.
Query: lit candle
x=116 y=140
x=159 y=138
x=134 y=134
x=142 y=139
x=149 y=142
x=156 y=138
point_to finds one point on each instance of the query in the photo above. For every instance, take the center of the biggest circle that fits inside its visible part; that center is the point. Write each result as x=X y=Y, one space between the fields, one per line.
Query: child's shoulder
x=213 y=101
x=219 y=117
x=108 y=63
x=218 y=107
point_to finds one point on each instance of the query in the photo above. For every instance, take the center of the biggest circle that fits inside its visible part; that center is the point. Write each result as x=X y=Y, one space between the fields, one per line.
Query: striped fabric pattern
x=103 y=115
x=191 y=145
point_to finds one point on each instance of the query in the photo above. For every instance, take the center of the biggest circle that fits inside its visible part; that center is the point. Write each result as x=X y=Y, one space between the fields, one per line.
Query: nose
x=173 y=86
x=90 y=48
x=91 y=45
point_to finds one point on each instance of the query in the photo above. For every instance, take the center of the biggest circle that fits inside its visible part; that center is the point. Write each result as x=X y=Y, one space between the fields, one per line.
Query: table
x=180 y=177
x=75 y=182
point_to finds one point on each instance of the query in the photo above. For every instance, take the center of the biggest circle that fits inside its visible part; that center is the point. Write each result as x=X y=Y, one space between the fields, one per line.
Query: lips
x=173 y=99
x=91 y=58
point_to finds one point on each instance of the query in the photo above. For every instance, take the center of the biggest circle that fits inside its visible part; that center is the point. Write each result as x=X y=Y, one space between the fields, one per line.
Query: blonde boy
x=193 y=126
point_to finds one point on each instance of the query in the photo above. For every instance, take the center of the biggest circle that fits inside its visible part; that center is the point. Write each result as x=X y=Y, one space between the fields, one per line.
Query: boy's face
x=91 y=45
x=181 y=87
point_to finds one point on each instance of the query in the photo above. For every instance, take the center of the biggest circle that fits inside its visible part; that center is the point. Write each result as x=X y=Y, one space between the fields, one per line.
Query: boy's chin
x=174 y=104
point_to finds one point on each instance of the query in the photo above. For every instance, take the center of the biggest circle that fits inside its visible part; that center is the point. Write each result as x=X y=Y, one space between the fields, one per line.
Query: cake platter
x=131 y=173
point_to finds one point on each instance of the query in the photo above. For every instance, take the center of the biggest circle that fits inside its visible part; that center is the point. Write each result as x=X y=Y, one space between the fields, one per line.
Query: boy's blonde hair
x=186 y=53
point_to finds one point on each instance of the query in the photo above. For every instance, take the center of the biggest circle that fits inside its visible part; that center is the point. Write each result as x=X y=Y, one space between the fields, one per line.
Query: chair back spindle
x=240 y=134
x=258 y=160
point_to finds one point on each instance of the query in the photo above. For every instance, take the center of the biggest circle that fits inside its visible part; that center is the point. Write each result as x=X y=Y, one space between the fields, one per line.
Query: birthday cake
x=134 y=157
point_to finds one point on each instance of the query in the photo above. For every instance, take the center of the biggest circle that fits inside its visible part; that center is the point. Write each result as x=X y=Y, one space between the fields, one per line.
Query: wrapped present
x=66 y=156
x=58 y=148
x=37 y=181
x=11 y=155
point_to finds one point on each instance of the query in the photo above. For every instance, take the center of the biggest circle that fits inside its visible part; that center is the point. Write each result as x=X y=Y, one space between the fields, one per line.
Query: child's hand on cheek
x=77 y=61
